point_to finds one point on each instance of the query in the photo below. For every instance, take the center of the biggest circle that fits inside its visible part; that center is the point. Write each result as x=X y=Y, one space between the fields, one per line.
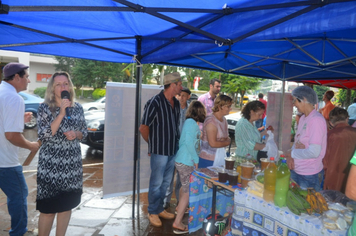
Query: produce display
x=255 y=188
x=317 y=202
x=296 y=203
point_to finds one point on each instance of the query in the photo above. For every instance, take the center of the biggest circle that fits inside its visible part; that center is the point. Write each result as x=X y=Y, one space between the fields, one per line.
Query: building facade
x=41 y=66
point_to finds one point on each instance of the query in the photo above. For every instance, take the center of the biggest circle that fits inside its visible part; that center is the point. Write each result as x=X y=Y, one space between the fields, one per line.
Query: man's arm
x=19 y=140
x=144 y=130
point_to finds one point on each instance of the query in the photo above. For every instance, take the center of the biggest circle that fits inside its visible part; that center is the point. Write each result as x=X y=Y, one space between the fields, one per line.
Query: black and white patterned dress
x=60 y=171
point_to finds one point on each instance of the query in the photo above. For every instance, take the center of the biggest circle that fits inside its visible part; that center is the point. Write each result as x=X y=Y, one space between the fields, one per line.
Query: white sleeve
x=310 y=153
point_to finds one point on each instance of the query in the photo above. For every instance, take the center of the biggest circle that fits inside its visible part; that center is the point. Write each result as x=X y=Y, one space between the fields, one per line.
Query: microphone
x=65 y=95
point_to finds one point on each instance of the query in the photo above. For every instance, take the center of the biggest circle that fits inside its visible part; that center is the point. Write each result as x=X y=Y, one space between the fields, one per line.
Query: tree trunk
x=161 y=76
x=348 y=98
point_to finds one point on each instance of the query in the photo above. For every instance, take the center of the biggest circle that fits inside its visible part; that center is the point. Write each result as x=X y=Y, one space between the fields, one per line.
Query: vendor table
x=254 y=216
x=251 y=214
x=205 y=194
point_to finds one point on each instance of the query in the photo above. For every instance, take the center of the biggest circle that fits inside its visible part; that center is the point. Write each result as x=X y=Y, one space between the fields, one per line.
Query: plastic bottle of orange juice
x=270 y=181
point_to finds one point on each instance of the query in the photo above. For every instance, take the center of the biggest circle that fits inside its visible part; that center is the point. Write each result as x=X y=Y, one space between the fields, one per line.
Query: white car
x=232 y=120
x=97 y=105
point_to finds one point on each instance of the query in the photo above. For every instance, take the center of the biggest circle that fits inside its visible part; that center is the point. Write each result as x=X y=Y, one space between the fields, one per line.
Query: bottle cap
x=272 y=158
x=282 y=156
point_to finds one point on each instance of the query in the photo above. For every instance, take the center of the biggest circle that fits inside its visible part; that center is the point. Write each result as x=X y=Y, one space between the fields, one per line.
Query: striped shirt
x=163 y=123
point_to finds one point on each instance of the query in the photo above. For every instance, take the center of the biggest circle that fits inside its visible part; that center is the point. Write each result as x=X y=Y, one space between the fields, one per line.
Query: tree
x=320 y=90
x=345 y=99
x=235 y=84
x=65 y=64
x=96 y=73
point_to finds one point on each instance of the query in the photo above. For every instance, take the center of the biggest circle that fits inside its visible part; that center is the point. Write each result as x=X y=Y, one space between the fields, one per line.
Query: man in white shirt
x=352 y=112
x=12 y=121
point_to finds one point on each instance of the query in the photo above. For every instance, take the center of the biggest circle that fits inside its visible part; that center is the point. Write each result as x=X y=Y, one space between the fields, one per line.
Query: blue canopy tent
x=279 y=39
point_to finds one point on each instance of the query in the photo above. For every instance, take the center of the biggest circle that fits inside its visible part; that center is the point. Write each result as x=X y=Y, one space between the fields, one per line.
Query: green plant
x=98 y=93
x=84 y=93
x=41 y=91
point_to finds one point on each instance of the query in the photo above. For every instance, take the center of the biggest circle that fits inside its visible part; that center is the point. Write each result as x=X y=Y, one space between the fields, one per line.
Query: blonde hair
x=50 y=99
x=221 y=101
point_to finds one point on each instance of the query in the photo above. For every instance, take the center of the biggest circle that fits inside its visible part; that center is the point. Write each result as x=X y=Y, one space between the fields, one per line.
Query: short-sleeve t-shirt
x=12 y=112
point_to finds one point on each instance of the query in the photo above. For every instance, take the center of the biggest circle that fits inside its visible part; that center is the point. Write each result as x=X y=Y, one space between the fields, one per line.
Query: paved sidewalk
x=94 y=216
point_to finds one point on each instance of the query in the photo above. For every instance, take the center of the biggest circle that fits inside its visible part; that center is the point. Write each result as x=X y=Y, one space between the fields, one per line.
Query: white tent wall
x=119 y=139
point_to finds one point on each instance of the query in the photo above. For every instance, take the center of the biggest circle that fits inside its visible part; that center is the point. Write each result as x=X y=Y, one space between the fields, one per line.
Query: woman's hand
x=71 y=135
x=64 y=104
x=264 y=132
x=299 y=145
x=290 y=160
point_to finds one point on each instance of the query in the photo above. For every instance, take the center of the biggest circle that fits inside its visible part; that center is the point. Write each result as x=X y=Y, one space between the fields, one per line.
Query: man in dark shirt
x=160 y=129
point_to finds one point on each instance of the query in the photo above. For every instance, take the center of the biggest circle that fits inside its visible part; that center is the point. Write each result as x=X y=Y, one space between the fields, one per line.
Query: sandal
x=180 y=231
x=186 y=211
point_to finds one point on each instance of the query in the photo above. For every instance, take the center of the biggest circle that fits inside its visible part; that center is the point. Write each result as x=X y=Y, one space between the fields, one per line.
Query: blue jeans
x=13 y=184
x=162 y=168
x=172 y=188
x=308 y=181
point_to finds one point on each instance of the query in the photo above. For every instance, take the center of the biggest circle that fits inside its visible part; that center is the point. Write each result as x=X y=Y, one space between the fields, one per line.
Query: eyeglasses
x=296 y=99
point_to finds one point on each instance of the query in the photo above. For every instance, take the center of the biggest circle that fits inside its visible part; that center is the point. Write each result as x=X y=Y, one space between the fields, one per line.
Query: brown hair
x=196 y=111
x=338 y=114
x=252 y=106
x=329 y=94
x=221 y=101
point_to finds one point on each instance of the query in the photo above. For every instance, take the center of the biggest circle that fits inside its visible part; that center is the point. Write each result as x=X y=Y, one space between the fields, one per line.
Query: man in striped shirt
x=160 y=129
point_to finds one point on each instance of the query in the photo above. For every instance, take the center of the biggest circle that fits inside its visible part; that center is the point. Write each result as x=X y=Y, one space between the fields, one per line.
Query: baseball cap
x=171 y=78
x=185 y=89
x=13 y=68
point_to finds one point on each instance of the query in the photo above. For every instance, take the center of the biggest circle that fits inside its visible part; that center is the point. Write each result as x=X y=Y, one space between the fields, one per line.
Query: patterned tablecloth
x=200 y=202
x=253 y=216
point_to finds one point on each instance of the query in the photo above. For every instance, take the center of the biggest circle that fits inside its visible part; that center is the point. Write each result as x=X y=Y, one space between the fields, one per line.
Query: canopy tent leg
x=137 y=149
x=281 y=113
x=281 y=110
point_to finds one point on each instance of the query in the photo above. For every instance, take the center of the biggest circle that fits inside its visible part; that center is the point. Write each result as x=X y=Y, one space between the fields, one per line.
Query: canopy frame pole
x=281 y=111
x=137 y=149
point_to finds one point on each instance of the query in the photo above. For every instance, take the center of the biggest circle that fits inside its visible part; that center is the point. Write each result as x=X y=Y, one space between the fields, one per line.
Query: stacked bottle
x=270 y=181
x=282 y=184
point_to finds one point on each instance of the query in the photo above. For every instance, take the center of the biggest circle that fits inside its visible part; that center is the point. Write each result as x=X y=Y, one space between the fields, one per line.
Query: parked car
x=245 y=100
x=95 y=120
x=96 y=105
x=232 y=120
x=32 y=102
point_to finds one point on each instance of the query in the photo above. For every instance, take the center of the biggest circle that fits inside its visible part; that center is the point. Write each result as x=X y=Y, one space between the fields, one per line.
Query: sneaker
x=154 y=220
x=166 y=215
